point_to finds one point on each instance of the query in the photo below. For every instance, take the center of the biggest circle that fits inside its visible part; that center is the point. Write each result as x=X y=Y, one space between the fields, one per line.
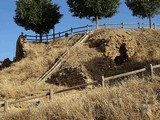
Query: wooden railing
x=66 y=33
x=50 y=93
x=103 y=83
x=83 y=29
x=151 y=68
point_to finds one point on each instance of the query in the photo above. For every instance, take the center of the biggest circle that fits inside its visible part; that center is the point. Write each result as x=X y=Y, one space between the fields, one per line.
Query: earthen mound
x=100 y=53
x=97 y=56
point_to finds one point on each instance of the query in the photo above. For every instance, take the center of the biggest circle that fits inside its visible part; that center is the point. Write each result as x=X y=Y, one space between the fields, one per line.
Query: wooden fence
x=151 y=68
x=66 y=33
x=51 y=93
x=87 y=28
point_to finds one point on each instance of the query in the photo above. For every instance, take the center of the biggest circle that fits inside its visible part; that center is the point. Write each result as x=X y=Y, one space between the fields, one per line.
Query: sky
x=9 y=31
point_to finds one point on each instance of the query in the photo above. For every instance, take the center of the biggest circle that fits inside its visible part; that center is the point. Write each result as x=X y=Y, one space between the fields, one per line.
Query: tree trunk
x=150 y=22
x=97 y=22
x=40 y=38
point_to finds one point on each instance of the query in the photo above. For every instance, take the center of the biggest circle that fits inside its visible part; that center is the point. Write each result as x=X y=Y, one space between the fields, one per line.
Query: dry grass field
x=137 y=98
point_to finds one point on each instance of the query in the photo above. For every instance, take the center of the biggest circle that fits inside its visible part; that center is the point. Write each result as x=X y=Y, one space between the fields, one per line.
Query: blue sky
x=9 y=31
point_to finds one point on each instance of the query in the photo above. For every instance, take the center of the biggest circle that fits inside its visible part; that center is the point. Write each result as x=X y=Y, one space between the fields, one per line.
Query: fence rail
x=51 y=93
x=6 y=103
x=150 y=68
x=87 y=28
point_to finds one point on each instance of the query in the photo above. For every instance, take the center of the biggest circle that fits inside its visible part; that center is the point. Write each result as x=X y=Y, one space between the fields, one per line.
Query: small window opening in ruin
x=123 y=57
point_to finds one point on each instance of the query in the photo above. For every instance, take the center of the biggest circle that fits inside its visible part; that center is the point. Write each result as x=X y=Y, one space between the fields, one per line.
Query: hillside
x=135 y=99
x=87 y=62
x=105 y=52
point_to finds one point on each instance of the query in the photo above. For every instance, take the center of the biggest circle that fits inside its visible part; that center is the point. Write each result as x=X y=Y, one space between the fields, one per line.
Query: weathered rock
x=6 y=63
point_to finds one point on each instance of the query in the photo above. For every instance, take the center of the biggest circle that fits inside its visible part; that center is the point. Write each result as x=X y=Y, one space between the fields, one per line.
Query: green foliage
x=91 y=9
x=144 y=8
x=37 y=15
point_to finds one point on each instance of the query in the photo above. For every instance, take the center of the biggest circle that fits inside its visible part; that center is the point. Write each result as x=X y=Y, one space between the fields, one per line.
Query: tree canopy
x=144 y=8
x=37 y=15
x=93 y=9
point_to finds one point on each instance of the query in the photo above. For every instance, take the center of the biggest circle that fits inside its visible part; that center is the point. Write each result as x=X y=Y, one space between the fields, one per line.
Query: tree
x=37 y=15
x=93 y=9
x=144 y=8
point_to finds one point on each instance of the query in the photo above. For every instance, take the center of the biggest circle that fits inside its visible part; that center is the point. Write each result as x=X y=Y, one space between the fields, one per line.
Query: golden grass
x=135 y=100
x=19 y=78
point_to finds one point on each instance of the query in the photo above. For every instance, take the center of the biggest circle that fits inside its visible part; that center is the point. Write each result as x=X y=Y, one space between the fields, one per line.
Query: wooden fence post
x=21 y=33
x=5 y=106
x=154 y=25
x=47 y=37
x=36 y=37
x=53 y=36
x=122 y=25
x=139 y=26
x=59 y=34
x=103 y=82
x=151 y=71
x=51 y=95
x=71 y=31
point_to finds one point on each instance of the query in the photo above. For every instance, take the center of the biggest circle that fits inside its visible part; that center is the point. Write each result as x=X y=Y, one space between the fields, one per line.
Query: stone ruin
x=20 y=53
x=115 y=44
x=71 y=77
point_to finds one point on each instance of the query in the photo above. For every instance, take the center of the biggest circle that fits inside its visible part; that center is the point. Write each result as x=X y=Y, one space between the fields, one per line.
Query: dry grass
x=18 y=79
x=134 y=100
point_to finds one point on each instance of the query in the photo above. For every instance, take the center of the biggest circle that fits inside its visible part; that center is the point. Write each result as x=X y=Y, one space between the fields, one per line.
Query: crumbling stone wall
x=20 y=53
x=114 y=44
x=110 y=41
x=71 y=77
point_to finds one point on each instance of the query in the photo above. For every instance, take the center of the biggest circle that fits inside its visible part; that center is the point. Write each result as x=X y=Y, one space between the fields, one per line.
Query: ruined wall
x=71 y=76
x=20 y=53
x=109 y=42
